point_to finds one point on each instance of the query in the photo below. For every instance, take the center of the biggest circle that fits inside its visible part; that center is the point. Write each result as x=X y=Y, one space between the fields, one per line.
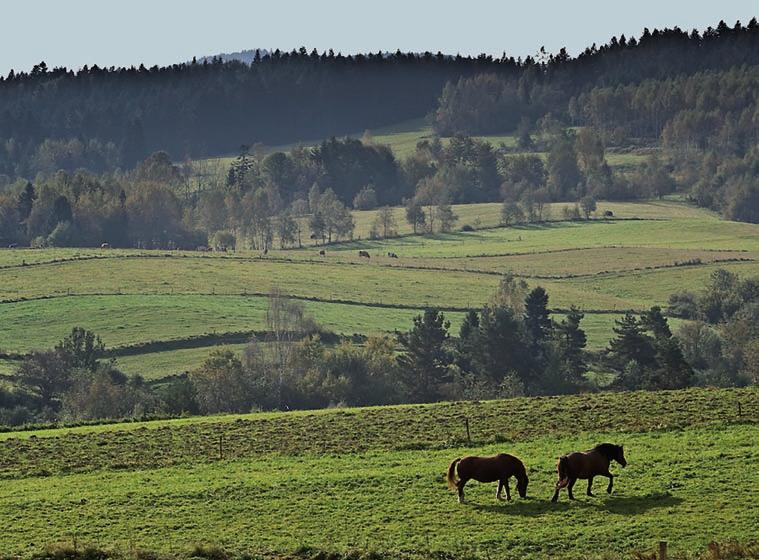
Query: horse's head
x=522 y=485
x=620 y=455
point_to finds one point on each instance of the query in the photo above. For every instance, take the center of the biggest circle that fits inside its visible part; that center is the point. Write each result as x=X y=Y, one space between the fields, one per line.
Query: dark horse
x=586 y=465
x=488 y=469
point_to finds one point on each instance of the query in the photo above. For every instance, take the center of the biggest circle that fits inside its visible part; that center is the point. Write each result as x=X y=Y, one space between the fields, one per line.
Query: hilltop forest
x=92 y=155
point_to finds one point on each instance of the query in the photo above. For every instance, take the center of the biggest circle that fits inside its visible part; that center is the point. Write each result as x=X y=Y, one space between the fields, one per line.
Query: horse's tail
x=563 y=468
x=451 y=478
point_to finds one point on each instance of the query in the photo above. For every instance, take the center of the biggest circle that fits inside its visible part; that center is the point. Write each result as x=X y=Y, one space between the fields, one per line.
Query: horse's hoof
x=591 y=494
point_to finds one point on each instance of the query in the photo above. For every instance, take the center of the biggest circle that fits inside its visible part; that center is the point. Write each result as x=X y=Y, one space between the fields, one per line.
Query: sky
x=73 y=33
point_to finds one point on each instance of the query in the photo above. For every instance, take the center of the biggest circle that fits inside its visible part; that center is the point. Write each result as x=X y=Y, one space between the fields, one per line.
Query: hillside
x=130 y=297
x=128 y=486
x=199 y=109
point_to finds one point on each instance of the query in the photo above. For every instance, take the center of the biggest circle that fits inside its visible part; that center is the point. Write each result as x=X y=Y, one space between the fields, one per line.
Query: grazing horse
x=488 y=469
x=586 y=465
x=364 y=254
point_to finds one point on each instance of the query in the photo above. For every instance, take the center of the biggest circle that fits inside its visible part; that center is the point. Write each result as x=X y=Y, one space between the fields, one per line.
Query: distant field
x=162 y=486
x=685 y=233
x=130 y=319
x=131 y=297
x=488 y=215
x=156 y=365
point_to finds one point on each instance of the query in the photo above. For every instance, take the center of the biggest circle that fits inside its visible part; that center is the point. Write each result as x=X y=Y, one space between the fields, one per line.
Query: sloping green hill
x=372 y=479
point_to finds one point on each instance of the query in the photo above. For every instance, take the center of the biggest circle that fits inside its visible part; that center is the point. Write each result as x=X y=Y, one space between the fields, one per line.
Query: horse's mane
x=609 y=450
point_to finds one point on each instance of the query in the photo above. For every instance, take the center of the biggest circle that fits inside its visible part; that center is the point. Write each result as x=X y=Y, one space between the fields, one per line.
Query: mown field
x=372 y=479
x=132 y=297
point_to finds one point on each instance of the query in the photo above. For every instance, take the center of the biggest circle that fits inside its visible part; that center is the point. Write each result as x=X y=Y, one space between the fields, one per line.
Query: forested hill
x=103 y=119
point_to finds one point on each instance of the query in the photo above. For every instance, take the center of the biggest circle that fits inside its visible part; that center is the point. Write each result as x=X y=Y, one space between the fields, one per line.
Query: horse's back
x=584 y=464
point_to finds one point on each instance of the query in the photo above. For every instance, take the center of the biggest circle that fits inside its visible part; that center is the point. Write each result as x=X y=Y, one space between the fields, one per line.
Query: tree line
x=512 y=346
x=107 y=118
x=286 y=199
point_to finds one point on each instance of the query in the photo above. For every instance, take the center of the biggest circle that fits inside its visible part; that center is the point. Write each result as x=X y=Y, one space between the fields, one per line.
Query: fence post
x=468 y=435
x=740 y=413
x=662 y=550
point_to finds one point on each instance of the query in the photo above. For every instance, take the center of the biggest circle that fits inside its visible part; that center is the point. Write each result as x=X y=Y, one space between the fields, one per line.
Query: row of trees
x=512 y=346
x=150 y=207
x=278 y=198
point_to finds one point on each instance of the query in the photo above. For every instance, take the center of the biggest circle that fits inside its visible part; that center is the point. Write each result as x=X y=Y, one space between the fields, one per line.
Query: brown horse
x=586 y=465
x=488 y=469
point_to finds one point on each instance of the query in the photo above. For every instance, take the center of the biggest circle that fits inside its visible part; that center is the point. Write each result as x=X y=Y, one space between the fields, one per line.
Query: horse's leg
x=460 y=485
x=556 y=493
x=590 y=486
x=508 y=489
x=500 y=490
x=569 y=488
x=611 y=482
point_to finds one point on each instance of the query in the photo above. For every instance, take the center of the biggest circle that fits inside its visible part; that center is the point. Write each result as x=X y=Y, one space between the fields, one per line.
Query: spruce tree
x=572 y=342
x=537 y=319
x=630 y=345
x=26 y=201
x=425 y=360
x=502 y=346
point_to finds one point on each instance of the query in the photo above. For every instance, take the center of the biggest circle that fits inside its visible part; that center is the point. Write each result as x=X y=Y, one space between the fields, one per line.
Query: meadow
x=605 y=267
x=372 y=479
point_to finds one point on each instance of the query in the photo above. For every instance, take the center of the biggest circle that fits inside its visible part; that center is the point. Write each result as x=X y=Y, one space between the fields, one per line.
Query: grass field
x=130 y=297
x=372 y=479
x=488 y=214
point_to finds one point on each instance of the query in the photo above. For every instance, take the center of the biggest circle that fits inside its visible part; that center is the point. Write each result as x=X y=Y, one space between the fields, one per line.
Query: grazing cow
x=322 y=253
x=105 y=245
x=392 y=255
x=364 y=254
x=608 y=214
x=12 y=245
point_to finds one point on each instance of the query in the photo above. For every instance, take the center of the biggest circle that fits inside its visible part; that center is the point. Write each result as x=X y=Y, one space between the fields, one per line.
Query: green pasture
x=124 y=320
x=157 y=365
x=488 y=214
x=333 y=283
x=681 y=233
x=372 y=479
